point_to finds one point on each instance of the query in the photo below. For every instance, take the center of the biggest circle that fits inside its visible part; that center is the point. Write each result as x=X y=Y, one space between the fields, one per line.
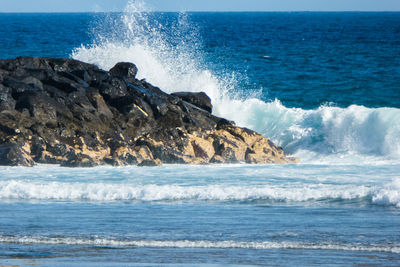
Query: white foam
x=390 y=195
x=60 y=191
x=229 y=244
x=169 y=56
x=329 y=134
x=165 y=56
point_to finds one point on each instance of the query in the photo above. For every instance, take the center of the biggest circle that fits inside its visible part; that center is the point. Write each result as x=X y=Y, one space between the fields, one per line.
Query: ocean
x=324 y=86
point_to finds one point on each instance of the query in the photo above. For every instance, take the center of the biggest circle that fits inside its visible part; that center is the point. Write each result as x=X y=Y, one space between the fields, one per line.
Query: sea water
x=324 y=86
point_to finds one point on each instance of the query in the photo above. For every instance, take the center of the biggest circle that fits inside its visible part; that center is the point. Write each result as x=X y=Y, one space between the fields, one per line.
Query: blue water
x=304 y=59
x=322 y=85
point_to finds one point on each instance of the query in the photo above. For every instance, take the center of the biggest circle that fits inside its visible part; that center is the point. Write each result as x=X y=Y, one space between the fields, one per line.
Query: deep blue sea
x=324 y=86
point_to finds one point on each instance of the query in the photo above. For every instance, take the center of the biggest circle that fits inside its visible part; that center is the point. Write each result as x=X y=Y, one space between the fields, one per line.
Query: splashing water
x=169 y=54
x=166 y=55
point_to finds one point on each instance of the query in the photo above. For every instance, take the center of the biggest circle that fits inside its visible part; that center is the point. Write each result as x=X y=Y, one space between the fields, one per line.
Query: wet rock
x=79 y=163
x=150 y=163
x=124 y=70
x=200 y=99
x=71 y=113
x=14 y=155
x=124 y=156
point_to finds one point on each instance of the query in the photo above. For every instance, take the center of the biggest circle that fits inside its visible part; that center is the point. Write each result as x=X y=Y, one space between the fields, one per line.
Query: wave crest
x=58 y=191
x=229 y=244
x=353 y=132
x=168 y=53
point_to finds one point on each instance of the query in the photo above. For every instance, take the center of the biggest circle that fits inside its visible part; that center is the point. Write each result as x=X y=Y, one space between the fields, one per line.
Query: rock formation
x=63 y=111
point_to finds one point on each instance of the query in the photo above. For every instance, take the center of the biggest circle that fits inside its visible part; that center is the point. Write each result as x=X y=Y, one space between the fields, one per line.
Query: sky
x=200 y=5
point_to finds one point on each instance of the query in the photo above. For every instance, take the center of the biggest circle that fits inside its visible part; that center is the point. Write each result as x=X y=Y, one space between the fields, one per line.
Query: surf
x=202 y=244
x=169 y=54
x=18 y=190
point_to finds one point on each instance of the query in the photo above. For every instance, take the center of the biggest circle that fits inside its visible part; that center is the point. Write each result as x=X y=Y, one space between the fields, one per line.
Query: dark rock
x=217 y=159
x=33 y=82
x=6 y=99
x=124 y=70
x=150 y=163
x=115 y=89
x=72 y=113
x=81 y=161
x=200 y=99
x=38 y=146
x=41 y=107
x=159 y=106
x=82 y=74
x=98 y=102
x=224 y=122
x=14 y=155
x=61 y=83
x=18 y=87
x=8 y=130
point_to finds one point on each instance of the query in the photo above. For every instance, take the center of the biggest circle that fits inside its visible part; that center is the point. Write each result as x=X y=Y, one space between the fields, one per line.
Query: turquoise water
x=322 y=85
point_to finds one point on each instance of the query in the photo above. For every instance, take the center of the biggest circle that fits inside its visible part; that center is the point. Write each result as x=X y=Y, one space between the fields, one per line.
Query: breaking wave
x=267 y=245
x=388 y=195
x=168 y=54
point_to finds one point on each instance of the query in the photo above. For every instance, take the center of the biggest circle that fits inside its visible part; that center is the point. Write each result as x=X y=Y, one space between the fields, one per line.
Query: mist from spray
x=168 y=53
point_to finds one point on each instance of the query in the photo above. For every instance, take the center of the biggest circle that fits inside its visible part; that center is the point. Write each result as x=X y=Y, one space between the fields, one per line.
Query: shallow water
x=322 y=85
x=200 y=215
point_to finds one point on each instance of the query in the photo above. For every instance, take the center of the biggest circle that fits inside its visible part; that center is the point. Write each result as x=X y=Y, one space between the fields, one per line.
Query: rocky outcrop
x=12 y=154
x=200 y=99
x=63 y=111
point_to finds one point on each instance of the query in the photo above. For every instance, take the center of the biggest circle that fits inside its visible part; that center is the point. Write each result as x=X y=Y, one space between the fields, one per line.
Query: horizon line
x=207 y=11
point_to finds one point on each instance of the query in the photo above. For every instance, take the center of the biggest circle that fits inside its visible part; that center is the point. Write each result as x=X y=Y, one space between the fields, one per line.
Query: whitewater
x=325 y=134
x=339 y=206
x=245 y=184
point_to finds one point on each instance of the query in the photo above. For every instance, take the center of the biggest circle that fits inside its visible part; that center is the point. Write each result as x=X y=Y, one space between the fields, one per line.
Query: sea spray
x=355 y=131
x=169 y=54
x=166 y=55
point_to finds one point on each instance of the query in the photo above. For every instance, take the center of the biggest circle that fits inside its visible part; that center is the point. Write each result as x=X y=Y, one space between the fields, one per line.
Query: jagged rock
x=98 y=102
x=150 y=163
x=14 y=155
x=6 y=101
x=81 y=161
x=124 y=156
x=124 y=70
x=63 y=111
x=200 y=99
